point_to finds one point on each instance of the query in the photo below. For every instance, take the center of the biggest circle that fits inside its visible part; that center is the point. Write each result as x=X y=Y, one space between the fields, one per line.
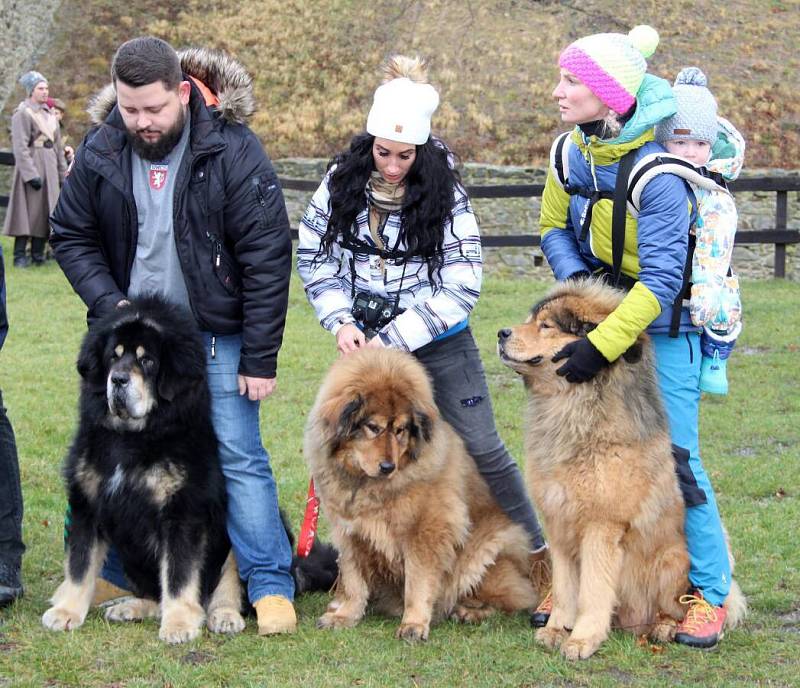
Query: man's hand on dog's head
x=256 y=388
x=584 y=361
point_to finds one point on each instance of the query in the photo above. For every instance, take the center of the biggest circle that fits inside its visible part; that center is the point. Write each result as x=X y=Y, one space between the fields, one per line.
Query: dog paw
x=580 y=648
x=330 y=620
x=60 y=619
x=664 y=630
x=175 y=632
x=551 y=637
x=471 y=614
x=412 y=632
x=225 y=620
x=132 y=609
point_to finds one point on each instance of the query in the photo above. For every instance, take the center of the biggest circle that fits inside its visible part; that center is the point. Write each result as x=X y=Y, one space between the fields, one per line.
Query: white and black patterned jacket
x=430 y=308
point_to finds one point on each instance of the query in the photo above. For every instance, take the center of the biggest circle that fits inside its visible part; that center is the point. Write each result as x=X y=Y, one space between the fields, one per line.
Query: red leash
x=308 y=531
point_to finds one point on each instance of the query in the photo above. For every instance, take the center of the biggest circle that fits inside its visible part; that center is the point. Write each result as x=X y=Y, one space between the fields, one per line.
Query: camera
x=373 y=312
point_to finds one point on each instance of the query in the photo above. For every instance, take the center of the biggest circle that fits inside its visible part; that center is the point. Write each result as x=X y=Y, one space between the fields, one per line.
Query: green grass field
x=750 y=448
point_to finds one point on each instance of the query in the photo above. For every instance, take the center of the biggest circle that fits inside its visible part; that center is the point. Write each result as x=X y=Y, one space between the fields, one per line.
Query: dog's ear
x=349 y=418
x=634 y=353
x=569 y=322
x=423 y=416
x=422 y=423
x=181 y=365
x=340 y=415
x=90 y=359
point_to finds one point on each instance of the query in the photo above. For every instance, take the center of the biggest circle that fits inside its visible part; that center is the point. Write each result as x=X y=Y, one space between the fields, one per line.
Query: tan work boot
x=275 y=615
x=105 y=590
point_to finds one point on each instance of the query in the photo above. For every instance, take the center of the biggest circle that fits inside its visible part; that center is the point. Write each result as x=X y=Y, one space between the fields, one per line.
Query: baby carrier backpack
x=632 y=177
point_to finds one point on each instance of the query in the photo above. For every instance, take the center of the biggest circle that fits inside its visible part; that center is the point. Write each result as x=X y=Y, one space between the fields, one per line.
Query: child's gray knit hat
x=696 y=117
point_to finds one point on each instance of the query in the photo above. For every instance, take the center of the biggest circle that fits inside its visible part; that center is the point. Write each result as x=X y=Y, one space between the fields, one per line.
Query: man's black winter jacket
x=230 y=224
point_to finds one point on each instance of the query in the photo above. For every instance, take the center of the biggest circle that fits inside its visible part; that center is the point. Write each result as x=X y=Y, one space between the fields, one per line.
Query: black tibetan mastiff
x=143 y=475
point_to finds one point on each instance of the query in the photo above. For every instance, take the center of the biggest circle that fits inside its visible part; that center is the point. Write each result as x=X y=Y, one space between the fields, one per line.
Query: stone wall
x=521 y=216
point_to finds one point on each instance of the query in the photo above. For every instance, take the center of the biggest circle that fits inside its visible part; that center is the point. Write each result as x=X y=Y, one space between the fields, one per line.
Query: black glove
x=584 y=361
x=35 y=183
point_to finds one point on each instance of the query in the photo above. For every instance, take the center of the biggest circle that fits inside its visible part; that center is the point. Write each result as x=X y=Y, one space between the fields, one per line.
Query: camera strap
x=376 y=221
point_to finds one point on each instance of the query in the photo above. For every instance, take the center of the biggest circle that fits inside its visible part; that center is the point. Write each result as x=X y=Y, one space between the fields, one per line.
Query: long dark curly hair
x=427 y=206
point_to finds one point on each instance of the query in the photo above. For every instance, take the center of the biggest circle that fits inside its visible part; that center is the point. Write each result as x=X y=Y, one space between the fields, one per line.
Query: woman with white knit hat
x=390 y=256
x=606 y=95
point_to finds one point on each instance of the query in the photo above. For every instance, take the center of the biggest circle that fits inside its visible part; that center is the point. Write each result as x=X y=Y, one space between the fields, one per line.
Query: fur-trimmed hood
x=222 y=74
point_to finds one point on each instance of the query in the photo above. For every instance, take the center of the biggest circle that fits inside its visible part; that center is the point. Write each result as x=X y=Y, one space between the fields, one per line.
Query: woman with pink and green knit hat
x=605 y=93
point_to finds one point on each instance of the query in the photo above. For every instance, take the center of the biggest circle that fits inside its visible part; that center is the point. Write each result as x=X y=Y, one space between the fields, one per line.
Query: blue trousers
x=678 y=367
x=255 y=528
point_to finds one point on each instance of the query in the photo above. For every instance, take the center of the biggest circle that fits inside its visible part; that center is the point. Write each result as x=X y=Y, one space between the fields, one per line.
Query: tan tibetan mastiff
x=600 y=468
x=418 y=532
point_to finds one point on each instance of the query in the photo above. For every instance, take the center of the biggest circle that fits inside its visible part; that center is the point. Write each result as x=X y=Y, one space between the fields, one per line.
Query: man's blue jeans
x=257 y=534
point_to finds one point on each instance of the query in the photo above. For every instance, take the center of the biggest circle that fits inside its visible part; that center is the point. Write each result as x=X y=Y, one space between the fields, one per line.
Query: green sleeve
x=619 y=330
x=555 y=206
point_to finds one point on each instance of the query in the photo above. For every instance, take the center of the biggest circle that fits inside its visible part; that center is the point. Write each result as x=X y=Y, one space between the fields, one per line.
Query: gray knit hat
x=29 y=80
x=696 y=117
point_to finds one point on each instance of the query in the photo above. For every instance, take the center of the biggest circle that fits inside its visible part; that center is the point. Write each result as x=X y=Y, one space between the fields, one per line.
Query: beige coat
x=32 y=131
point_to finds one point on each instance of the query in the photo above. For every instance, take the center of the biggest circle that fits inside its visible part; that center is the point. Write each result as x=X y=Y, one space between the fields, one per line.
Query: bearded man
x=172 y=193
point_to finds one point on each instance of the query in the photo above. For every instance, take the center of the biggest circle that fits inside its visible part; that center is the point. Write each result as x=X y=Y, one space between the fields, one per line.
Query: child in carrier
x=696 y=134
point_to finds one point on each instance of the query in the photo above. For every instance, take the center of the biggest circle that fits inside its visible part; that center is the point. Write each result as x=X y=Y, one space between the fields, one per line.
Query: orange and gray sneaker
x=275 y=615
x=702 y=625
x=541 y=615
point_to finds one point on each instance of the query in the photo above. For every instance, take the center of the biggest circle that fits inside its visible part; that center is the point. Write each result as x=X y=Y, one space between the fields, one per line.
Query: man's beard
x=159 y=149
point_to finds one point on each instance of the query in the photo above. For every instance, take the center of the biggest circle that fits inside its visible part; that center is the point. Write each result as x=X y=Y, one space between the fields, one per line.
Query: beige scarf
x=384 y=198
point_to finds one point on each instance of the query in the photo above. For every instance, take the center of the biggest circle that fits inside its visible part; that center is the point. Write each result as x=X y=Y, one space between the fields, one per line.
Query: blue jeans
x=257 y=534
x=255 y=528
x=678 y=368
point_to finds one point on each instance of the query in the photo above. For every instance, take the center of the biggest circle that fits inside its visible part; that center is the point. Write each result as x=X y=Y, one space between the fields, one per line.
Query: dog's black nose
x=505 y=333
x=387 y=467
x=120 y=378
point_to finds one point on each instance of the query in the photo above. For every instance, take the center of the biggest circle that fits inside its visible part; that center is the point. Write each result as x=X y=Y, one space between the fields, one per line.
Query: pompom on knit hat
x=696 y=117
x=404 y=104
x=29 y=81
x=612 y=65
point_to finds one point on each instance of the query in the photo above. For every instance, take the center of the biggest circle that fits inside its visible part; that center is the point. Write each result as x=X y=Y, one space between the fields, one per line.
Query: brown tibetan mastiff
x=600 y=468
x=143 y=475
x=418 y=532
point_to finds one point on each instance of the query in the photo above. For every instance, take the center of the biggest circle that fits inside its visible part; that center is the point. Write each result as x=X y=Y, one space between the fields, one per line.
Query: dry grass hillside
x=315 y=63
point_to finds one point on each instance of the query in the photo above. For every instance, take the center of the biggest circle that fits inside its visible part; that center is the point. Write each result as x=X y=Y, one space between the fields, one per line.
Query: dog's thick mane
x=182 y=365
x=569 y=414
x=353 y=384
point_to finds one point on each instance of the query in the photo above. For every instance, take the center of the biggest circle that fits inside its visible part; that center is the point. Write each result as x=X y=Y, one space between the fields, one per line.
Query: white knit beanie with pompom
x=404 y=104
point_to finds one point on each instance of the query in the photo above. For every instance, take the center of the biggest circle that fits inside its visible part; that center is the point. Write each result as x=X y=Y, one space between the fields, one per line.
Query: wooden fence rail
x=780 y=236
